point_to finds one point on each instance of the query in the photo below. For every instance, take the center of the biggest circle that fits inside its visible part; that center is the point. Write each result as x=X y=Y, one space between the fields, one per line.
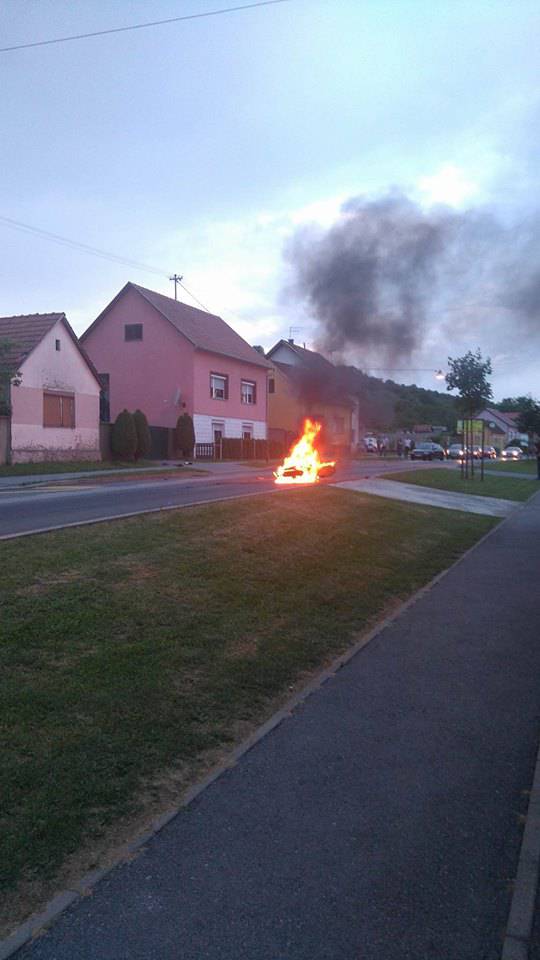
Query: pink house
x=55 y=406
x=166 y=358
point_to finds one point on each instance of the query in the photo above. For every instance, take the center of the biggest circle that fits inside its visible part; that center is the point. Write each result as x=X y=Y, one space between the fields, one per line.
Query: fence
x=163 y=446
x=235 y=448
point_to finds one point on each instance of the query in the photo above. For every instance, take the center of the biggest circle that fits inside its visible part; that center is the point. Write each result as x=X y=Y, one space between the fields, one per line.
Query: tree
x=469 y=375
x=529 y=418
x=9 y=375
x=124 y=436
x=185 y=435
x=144 y=440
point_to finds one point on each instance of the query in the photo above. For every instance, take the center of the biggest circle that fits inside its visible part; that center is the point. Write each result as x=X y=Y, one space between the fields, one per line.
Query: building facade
x=166 y=358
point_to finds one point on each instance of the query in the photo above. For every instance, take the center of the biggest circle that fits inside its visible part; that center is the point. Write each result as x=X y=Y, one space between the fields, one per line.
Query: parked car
x=456 y=451
x=512 y=453
x=370 y=444
x=428 y=451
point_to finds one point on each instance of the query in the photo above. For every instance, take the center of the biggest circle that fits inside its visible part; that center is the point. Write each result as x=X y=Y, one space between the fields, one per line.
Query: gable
x=205 y=331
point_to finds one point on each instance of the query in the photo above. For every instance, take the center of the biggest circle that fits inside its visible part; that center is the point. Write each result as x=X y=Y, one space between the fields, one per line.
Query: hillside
x=386 y=405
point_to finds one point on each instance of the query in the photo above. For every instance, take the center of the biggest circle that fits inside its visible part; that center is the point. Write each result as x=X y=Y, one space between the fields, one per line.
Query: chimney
x=291 y=341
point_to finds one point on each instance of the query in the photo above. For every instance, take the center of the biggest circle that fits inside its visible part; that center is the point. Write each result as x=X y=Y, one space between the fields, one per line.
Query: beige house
x=301 y=384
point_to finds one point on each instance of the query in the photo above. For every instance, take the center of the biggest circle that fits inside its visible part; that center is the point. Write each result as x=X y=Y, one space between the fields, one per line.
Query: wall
x=232 y=411
x=62 y=369
x=147 y=374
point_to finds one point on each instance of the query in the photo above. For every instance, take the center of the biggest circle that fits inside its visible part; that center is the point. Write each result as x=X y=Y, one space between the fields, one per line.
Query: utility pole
x=176 y=280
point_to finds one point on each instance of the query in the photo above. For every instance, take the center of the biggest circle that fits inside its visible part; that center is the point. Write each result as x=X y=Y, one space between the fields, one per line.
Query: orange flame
x=303 y=465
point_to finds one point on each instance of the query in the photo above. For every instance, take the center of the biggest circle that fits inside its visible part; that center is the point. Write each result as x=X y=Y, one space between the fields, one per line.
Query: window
x=133 y=331
x=248 y=391
x=271 y=385
x=58 y=410
x=56 y=344
x=247 y=431
x=219 y=386
x=104 y=398
x=218 y=431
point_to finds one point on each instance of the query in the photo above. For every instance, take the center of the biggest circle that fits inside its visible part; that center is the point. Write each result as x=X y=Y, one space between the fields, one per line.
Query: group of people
x=404 y=447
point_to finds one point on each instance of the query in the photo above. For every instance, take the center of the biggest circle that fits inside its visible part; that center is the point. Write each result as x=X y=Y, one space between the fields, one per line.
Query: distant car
x=370 y=444
x=455 y=451
x=512 y=453
x=428 y=451
x=490 y=453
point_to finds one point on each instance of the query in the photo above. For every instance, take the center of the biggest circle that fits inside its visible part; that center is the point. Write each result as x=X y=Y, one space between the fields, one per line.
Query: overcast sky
x=204 y=147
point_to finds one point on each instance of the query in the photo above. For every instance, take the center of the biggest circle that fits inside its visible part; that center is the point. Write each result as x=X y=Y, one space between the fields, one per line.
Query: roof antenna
x=292 y=331
x=176 y=280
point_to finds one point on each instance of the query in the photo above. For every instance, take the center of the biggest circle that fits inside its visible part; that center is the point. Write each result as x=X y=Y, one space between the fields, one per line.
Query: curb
x=127 y=516
x=521 y=915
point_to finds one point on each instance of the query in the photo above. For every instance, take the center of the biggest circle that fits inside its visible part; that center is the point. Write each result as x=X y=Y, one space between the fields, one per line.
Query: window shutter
x=68 y=411
x=254 y=393
x=226 y=390
x=52 y=411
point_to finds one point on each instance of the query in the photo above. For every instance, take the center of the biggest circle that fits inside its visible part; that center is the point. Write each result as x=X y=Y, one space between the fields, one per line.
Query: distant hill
x=385 y=405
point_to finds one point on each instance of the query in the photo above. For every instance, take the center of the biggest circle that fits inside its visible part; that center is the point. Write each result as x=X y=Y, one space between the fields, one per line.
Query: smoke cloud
x=390 y=277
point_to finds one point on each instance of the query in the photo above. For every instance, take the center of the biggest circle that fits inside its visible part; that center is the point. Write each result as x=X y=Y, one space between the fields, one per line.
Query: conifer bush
x=144 y=441
x=185 y=435
x=124 y=436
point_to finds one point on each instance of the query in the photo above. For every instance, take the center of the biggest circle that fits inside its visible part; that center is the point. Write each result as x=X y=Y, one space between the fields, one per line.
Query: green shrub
x=124 y=436
x=185 y=435
x=144 y=441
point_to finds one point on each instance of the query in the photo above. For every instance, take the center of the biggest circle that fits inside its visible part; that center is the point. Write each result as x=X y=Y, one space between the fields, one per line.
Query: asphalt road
x=32 y=509
x=379 y=821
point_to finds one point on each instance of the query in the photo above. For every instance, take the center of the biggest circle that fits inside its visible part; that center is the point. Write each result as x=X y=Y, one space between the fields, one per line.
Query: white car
x=512 y=453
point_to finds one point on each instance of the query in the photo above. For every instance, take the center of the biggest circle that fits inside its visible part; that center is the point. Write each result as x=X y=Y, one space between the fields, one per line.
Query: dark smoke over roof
x=390 y=274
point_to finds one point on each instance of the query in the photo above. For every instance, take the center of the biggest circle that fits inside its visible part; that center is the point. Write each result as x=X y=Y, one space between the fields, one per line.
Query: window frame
x=132 y=327
x=248 y=383
x=225 y=378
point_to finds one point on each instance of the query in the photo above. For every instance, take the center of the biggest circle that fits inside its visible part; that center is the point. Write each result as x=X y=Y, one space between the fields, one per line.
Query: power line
x=83 y=247
x=141 y=26
x=96 y=252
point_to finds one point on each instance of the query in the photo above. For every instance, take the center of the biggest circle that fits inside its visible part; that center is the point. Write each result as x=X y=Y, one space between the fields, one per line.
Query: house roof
x=308 y=358
x=507 y=417
x=25 y=331
x=205 y=331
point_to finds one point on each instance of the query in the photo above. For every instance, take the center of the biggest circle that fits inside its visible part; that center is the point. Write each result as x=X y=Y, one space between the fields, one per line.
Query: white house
x=55 y=407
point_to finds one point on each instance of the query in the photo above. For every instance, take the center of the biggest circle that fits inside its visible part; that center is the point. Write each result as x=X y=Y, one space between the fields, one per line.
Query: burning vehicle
x=304 y=465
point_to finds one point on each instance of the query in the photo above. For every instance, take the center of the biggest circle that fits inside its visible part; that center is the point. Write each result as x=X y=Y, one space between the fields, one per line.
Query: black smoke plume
x=390 y=275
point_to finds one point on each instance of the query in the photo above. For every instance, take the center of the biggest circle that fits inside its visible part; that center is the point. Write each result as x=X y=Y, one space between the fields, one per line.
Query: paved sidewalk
x=412 y=493
x=379 y=821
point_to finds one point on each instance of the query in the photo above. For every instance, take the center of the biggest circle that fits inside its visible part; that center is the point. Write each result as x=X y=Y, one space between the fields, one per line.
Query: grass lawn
x=134 y=652
x=513 y=466
x=506 y=488
x=71 y=466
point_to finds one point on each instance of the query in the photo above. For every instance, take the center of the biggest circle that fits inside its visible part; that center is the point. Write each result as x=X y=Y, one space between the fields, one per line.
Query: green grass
x=505 y=488
x=133 y=647
x=513 y=466
x=68 y=466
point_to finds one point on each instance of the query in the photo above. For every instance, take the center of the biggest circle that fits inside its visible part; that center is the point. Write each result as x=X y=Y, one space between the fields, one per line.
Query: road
x=44 y=507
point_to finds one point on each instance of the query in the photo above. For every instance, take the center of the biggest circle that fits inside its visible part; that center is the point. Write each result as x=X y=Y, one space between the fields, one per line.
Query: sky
x=232 y=149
